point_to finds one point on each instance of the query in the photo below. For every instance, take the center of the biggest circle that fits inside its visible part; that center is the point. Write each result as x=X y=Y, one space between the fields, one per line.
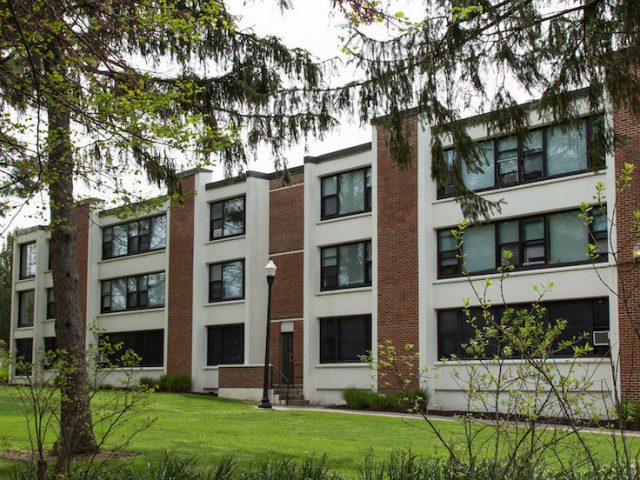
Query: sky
x=310 y=24
x=313 y=25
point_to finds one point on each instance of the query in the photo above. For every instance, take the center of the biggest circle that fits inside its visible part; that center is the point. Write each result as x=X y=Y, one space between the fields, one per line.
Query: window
x=24 y=356
x=50 y=352
x=134 y=237
x=227 y=218
x=543 y=153
x=147 y=344
x=48 y=254
x=28 y=258
x=546 y=240
x=51 y=313
x=346 y=193
x=226 y=281
x=25 y=308
x=583 y=318
x=133 y=293
x=225 y=345
x=344 y=339
x=346 y=266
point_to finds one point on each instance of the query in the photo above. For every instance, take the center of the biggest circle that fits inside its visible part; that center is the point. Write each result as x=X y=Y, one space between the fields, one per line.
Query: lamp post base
x=264 y=403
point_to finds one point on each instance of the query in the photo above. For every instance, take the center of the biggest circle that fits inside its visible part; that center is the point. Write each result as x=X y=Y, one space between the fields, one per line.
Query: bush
x=4 y=372
x=175 y=382
x=356 y=398
x=415 y=400
x=149 y=383
x=629 y=412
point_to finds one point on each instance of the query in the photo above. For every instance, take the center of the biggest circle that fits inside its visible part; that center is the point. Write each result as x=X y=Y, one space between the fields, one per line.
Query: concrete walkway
x=439 y=418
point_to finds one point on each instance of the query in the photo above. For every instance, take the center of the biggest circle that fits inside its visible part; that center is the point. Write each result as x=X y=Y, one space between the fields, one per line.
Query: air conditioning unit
x=217 y=232
x=601 y=338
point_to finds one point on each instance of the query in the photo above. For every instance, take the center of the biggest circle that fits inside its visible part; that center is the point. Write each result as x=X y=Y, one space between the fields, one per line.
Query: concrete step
x=298 y=403
x=292 y=391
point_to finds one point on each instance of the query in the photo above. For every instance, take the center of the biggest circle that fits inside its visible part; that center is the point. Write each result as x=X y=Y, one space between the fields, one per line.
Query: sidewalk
x=439 y=418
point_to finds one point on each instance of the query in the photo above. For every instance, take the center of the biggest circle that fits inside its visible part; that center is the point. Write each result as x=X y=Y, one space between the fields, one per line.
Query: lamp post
x=270 y=270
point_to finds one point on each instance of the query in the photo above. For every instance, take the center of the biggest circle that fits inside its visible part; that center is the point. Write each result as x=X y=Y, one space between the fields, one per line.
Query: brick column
x=81 y=218
x=180 y=276
x=397 y=226
x=627 y=129
x=286 y=242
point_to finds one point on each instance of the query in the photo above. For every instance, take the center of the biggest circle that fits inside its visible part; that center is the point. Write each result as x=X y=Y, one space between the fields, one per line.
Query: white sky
x=310 y=24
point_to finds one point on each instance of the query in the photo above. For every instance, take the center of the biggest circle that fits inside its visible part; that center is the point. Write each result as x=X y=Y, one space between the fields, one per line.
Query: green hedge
x=414 y=400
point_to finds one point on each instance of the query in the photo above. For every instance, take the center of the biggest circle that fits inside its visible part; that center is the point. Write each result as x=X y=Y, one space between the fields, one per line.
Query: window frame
x=211 y=355
x=521 y=245
x=212 y=219
x=128 y=336
x=368 y=274
x=137 y=292
x=21 y=312
x=50 y=313
x=367 y=193
x=211 y=282
x=337 y=356
x=24 y=258
x=107 y=245
x=592 y=163
x=23 y=341
x=461 y=324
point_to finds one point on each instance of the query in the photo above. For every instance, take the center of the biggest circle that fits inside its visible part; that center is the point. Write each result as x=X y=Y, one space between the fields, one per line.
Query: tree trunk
x=76 y=426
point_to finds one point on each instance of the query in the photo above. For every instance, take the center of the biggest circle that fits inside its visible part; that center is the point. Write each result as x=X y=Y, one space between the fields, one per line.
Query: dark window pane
x=28 y=260
x=533 y=156
x=227 y=218
x=50 y=304
x=345 y=266
x=225 y=345
x=346 y=193
x=507 y=160
x=25 y=308
x=344 y=339
x=226 y=281
x=24 y=356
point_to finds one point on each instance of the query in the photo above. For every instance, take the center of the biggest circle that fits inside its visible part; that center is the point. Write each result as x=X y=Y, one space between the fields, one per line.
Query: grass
x=209 y=429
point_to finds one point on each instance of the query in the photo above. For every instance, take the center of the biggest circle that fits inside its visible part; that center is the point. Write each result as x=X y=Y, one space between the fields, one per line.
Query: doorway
x=286 y=358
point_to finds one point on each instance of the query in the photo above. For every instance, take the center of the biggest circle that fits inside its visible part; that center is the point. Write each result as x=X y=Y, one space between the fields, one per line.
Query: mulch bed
x=26 y=456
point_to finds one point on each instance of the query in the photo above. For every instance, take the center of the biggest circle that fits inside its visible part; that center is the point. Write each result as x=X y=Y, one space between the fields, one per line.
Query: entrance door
x=286 y=357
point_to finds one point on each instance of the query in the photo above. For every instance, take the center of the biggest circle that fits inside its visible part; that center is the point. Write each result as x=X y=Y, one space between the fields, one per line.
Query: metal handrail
x=282 y=376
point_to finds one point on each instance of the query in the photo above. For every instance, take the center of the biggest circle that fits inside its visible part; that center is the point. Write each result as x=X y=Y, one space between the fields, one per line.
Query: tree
x=6 y=276
x=83 y=98
x=473 y=55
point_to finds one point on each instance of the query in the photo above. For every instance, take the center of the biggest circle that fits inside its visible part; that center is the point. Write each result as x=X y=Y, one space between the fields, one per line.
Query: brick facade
x=627 y=128
x=286 y=240
x=81 y=218
x=180 y=291
x=237 y=376
x=398 y=288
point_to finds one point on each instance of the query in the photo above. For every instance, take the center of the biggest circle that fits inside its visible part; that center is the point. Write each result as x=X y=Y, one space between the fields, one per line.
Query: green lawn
x=208 y=428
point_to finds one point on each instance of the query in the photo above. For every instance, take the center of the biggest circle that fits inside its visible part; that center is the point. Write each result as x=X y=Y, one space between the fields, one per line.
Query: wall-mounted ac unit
x=601 y=338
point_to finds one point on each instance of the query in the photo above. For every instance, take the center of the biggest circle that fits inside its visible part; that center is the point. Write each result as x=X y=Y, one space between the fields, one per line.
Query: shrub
x=149 y=383
x=356 y=398
x=415 y=400
x=4 y=373
x=629 y=412
x=175 y=382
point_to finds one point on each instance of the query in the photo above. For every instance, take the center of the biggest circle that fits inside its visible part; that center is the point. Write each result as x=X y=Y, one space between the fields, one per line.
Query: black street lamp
x=270 y=269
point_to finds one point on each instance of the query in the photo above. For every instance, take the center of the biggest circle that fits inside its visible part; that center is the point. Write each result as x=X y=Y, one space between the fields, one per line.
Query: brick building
x=364 y=255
